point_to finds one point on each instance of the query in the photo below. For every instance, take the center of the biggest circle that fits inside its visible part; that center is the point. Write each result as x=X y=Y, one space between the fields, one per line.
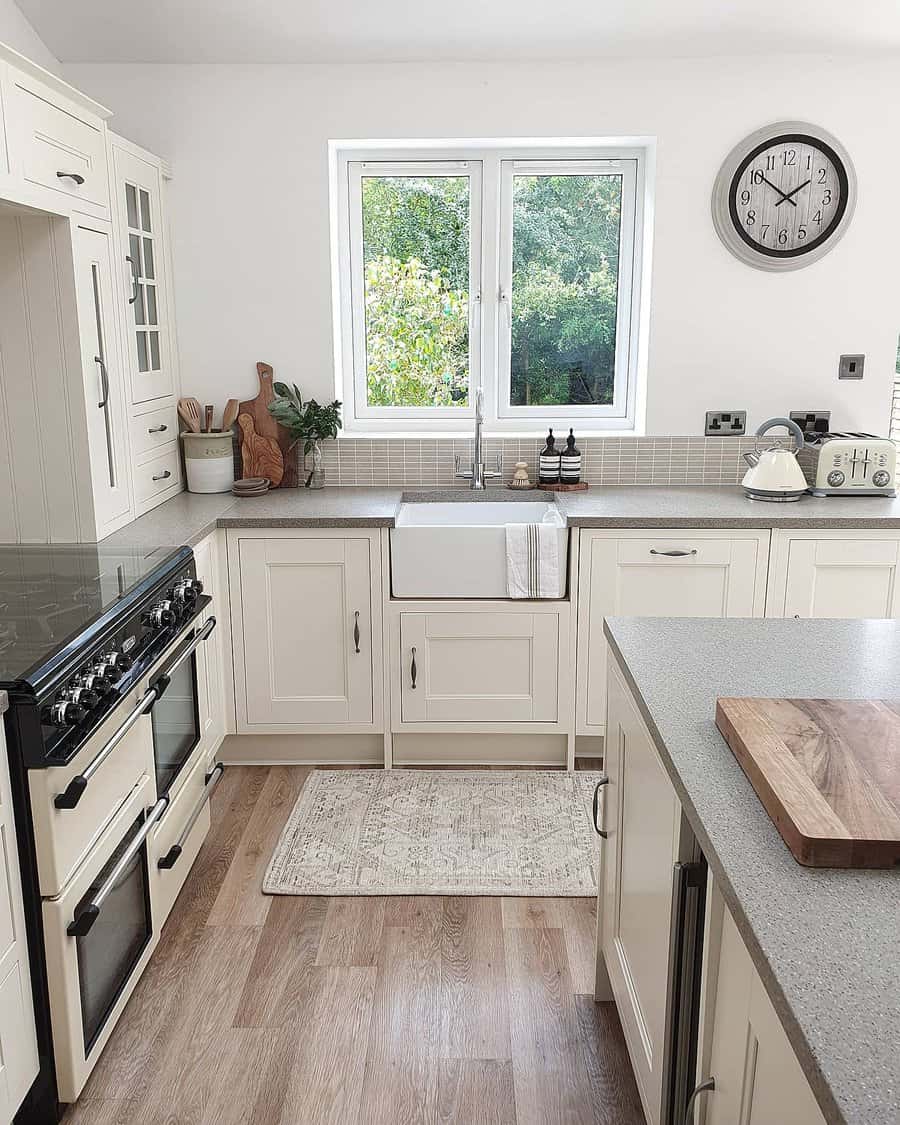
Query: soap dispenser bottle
x=549 y=464
x=570 y=461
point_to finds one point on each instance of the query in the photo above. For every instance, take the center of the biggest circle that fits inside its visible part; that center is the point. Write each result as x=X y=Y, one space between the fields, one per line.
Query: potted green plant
x=309 y=423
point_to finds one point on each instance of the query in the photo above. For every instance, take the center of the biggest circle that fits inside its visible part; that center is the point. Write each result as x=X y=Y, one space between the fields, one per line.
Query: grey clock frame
x=721 y=211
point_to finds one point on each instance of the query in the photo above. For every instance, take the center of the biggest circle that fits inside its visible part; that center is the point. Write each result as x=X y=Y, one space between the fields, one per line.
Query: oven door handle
x=162 y=682
x=72 y=793
x=168 y=861
x=90 y=912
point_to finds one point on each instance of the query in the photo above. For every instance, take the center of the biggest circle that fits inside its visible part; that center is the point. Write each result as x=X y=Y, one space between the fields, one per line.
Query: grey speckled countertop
x=826 y=942
x=189 y=517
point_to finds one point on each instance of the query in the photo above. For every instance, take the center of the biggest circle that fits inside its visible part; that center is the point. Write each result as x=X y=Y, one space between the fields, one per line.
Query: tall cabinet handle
x=104 y=379
x=701 y=1088
x=356 y=630
x=134 y=279
x=595 y=812
x=413 y=671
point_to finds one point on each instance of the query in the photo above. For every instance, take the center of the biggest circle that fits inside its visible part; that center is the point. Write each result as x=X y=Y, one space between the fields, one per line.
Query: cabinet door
x=102 y=371
x=836 y=577
x=302 y=603
x=479 y=667
x=671 y=574
x=138 y=187
x=209 y=655
x=758 y=1078
x=642 y=817
x=18 y=1043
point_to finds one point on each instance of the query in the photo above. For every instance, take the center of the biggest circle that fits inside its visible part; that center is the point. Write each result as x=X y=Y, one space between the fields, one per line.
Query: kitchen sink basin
x=458 y=549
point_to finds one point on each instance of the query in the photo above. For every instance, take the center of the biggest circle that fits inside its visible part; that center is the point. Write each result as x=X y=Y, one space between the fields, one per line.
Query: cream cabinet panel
x=102 y=372
x=758 y=1080
x=210 y=655
x=837 y=574
x=479 y=667
x=305 y=643
x=18 y=1042
x=642 y=818
x=664 y=574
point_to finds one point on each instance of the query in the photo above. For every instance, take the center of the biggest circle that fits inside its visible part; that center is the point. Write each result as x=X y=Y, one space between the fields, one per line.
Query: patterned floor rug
x=439 y=832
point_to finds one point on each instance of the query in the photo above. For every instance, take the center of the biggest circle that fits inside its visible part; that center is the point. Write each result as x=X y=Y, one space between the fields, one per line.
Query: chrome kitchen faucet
x=478 y=474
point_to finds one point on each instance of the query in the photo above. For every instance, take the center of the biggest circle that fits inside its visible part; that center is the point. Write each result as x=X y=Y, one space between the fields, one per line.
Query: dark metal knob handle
x=596 y=807
x=356 y=630
x=77 y=177
x=413 y=671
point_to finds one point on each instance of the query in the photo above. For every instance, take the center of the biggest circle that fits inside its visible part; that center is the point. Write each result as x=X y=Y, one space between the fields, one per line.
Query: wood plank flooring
x=259 y=1010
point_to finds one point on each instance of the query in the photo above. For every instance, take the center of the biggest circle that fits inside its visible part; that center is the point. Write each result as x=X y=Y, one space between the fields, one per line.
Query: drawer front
x=157 y=475
x=151 y=432
x=59 y=150
x=166 y=882
x=65 y=836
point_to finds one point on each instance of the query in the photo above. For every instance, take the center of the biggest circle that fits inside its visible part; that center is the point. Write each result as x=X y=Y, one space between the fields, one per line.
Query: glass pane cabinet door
x=140 y=218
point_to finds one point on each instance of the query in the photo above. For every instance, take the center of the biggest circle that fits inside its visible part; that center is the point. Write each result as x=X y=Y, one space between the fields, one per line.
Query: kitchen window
x=517 y=270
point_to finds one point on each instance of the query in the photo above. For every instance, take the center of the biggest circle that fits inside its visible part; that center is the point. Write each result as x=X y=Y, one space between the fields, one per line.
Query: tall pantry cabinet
x=88 y=373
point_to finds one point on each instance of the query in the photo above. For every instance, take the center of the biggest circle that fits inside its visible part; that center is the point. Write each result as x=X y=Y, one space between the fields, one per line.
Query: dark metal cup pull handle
x=413 y=671
x=162 y=476
x=157 y=429
x=596 y=807
x=75 y=176
x=676 y=553
x=356 y=630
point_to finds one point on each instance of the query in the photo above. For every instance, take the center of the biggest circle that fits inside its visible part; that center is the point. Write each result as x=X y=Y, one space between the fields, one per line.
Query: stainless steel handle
x=135 y=289
x=413 y=671
x=162 y=476
x=71 y=795
x=104 y=379
x=157 y=429
x=165 y=679
x=76 y=176
x=596 y=806
x=675 y=553
x=356 y=629
x=90 y=912
x=702 y=1088
x=168 y=861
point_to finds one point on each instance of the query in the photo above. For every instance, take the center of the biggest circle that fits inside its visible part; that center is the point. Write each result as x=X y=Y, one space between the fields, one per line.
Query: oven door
x=98 y=936
x=177 y=727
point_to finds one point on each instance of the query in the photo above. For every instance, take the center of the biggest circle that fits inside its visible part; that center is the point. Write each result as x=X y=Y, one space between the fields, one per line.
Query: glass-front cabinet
x=138 y=193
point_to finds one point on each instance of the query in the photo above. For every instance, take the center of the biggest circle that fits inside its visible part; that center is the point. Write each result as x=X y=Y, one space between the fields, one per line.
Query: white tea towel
x=532 y=559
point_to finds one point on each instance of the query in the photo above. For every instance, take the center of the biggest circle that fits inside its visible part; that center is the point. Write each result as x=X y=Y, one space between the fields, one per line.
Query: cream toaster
x=844 y=464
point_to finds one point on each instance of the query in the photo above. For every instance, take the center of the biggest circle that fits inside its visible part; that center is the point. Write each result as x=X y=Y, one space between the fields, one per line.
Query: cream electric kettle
x=775 y=473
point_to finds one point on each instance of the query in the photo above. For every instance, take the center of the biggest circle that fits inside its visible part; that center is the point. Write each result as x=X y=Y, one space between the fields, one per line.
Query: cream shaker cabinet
x=210 y=655
x=18 y=1042
x=659 y=574
x=746 y=1052
x=306 y=623
x=834 y=574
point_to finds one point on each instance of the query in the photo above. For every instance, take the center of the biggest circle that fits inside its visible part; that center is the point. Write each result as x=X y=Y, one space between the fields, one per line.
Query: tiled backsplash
x=428 y=462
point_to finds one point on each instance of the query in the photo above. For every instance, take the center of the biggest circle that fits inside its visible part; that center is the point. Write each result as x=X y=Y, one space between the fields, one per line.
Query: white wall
x=250 y=212
x=17 y=32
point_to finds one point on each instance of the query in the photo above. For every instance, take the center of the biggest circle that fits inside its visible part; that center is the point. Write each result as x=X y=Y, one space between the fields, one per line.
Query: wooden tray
x=579 y=487
x=827 y=772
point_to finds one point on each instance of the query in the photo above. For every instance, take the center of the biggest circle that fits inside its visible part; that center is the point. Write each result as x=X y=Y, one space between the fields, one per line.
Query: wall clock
x=784 y=196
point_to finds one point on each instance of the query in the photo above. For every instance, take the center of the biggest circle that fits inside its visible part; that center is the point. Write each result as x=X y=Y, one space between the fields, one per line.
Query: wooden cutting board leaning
x=827 y=772
x=272 y=456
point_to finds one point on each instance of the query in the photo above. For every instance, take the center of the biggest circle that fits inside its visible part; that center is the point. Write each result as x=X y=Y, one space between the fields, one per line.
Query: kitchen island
x=825 y=943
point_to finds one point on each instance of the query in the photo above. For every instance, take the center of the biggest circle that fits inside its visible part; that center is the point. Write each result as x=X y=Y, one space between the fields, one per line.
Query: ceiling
x=408 y=30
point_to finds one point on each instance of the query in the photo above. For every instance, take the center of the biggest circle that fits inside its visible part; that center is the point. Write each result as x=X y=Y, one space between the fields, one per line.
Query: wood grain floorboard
x=294 y=1010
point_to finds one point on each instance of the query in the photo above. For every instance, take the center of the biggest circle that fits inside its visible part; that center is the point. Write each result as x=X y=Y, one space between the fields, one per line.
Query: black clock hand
x=790 y=193
x=774 y=187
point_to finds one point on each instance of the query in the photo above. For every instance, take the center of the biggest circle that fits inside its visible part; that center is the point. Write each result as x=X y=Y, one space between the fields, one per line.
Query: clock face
x=784 y=196
x=788 y=195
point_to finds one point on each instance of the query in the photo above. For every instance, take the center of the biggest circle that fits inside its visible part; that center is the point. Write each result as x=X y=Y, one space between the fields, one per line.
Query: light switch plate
x=851 y=366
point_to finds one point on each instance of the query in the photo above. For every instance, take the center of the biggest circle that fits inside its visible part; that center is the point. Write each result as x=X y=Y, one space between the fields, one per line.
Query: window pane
x=564 y=288
x=145 y=210
x=416 y=262
x=131 y=205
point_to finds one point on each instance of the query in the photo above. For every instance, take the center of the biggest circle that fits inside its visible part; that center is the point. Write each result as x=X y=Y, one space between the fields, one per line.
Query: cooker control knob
x=65 y=713
x=83 y=697
x=96 y=680
x=185 y=592
x=881 y=478
x=118 y=663
x=835 y=478
x=160 y=616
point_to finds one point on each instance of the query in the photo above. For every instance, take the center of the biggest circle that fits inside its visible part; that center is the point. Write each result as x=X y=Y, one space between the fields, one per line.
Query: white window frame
x=490 y=166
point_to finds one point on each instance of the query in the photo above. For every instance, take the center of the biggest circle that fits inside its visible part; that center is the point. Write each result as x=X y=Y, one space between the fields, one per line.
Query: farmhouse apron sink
x=458 y=549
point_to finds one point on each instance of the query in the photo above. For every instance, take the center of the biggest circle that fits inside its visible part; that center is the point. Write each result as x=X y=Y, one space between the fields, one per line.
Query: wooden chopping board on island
x=265 y=444
x=827 y=772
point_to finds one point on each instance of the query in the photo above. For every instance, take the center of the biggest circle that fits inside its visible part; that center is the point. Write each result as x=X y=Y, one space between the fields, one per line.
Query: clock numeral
x=765 y=229
x=821 y=176
x=817 y=218
x=801 y=232
x=770 y=162
x=808 y=162
x=745 y=197
x=757 y=176
x=826 y=197
x=751 y=217
x=789 y=157
x=782 y=236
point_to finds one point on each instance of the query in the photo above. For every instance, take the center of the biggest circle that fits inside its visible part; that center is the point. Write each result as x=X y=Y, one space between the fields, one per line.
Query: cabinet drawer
x=150 y=432
x=167 y=881
x=157 y=475
x=58 y=150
